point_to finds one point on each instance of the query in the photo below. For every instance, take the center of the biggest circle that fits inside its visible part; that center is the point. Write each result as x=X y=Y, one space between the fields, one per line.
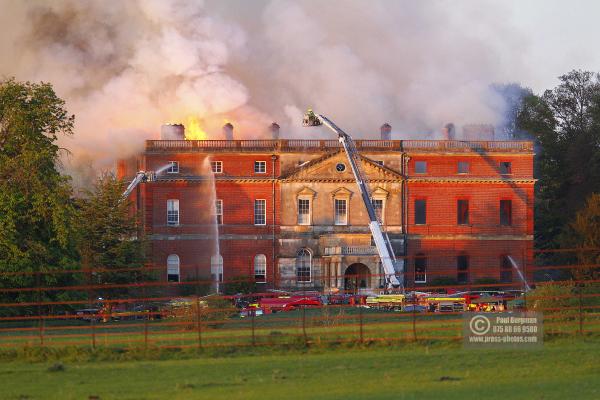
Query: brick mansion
x=287 y=213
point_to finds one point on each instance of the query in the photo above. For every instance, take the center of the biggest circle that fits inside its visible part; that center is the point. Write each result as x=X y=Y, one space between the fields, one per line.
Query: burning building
x=287 y=214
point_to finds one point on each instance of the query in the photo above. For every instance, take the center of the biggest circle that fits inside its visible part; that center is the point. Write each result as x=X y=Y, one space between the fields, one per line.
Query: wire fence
x=137 y=307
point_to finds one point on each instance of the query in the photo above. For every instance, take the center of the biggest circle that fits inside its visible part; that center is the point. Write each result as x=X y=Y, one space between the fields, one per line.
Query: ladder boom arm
x=384 y=248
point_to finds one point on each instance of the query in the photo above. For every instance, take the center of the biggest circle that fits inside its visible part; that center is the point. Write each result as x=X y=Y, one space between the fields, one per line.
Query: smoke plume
x=126 y=67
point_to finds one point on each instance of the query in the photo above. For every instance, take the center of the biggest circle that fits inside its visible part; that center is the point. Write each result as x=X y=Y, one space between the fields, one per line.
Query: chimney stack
x=386 y=132
x=449 y=131
x=228 y=131
x=274 y=128
x=172 y=132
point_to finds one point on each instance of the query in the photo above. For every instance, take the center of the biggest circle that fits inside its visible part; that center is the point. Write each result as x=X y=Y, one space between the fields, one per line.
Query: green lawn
x=563 y=369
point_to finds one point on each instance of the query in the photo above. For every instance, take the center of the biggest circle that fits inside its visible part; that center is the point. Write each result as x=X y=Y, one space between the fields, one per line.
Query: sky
x=124 y=68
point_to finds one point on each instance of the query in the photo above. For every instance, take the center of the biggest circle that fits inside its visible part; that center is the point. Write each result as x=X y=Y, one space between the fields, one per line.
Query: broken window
x=420 y=268
x=464 y=167
x=420 y=167
x=172 y=212
x=462 y=269
x=506 y=270
x=462 y=210
x=506 y=212
x=260 y=268
x=505 y=168
x=420 y=212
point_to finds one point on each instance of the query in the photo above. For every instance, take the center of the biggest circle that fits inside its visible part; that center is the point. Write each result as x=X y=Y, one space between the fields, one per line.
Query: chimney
x=274 y=128
x=478 y=132
x=449 y=131
x=172 y=132
x=228 y=131
x=386 y=132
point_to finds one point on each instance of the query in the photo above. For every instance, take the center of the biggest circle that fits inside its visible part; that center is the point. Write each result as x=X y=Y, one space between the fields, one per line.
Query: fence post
x=414 y=304
x=580 y=310
x=147 y=317
x=252 y=313
x=39 y=307
x=198 y=322
x=304 y=325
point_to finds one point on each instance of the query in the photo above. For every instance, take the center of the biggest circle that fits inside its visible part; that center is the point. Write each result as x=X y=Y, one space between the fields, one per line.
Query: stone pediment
x=341 y=192
x=306 y=192
x=334 y=167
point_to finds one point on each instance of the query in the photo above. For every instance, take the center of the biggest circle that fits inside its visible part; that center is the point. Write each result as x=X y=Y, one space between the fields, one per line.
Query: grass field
x=563 y=369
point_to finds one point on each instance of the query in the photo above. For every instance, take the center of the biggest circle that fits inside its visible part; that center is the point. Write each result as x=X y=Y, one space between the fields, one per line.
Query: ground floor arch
x=357 y=276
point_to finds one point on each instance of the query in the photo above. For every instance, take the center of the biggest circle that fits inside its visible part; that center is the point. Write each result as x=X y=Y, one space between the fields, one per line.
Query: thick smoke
x=126 y=67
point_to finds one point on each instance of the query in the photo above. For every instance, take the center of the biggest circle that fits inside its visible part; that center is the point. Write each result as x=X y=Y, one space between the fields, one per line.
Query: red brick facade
x=490 y=172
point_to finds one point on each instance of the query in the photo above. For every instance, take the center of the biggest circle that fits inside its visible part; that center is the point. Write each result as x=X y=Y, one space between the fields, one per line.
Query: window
x=505 y=212
x=464 y=167
x=462 y=211
x=505 y=168
x=172 y=212
x=506 y=270
x=420 y=212
x=378 y=206
x=420 y=268
x=173 y=268
x=260 y=167
x=340 y=167
x=341 y=211
x=219 y=211
x=173 y=167
x=260 y=212
x=303 y=211
x=462 y=269
x=420 y=167
x=216 y=268
x=260 y=268
x=216 y=166
x=380 y=162
x=303 y=265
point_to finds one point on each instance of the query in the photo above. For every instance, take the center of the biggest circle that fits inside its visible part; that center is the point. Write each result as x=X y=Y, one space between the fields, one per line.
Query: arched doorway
x=357 y=276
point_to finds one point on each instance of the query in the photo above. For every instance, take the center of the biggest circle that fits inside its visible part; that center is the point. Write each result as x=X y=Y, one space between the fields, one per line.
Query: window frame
x=508 y=220
x=214 y=165
x=301 y=278
x=178 y=268
x=219 y=211
x=418 y=163
x=506 y=268
x=463 y=270
x=258 y=163
x=264 y=215
x=308 y=214
x=421 y=257
x=174 y=168
x=424 y=211
x=263 y=264
x=505 y=167
x=335 y=211
x=216 y=268
x=170 y=213
x=380 y=216
x=459 y=214
x=468 y=167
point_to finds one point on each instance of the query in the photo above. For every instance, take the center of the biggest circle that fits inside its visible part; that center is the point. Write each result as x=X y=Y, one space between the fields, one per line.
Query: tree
x=585 y=235
x=109 y=236
x=565 y=122
x=36 y=211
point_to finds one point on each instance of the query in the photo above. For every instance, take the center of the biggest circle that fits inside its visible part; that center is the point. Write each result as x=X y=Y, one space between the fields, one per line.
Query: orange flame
x=193 y=130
